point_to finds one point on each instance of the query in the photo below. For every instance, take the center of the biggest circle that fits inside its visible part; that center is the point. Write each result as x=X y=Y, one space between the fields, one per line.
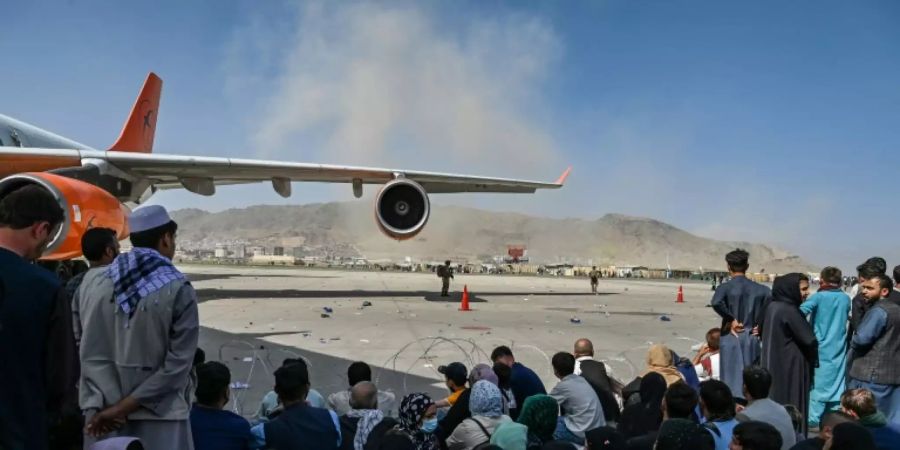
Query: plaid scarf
x=368 y=420
x=139 y=273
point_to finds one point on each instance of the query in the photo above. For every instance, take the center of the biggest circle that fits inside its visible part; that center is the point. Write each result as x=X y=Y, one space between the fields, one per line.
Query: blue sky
x=776 y=122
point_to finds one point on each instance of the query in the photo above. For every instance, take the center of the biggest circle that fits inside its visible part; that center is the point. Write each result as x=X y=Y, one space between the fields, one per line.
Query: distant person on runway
x=445 y=273
x=595 y=279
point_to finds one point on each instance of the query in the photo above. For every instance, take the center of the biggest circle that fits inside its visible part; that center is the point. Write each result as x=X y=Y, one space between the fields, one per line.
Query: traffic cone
x=464 y=304
x=680 y=297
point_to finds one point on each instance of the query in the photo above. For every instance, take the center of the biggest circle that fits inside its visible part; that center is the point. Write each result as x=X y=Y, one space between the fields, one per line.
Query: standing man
x=876 y=345
x=139 y=335
x=36 y=346
x=740 y=303
x=859 y=306
x=445 y=273
x=828 y=311
x=100 y=247
x=595 y=279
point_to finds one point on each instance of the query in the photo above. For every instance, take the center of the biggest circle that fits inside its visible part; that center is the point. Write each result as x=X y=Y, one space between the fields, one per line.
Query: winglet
x=562 y=178
x=137 y=134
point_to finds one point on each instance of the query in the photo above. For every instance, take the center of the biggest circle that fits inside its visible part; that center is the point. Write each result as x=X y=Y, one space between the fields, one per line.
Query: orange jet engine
x=85 y=206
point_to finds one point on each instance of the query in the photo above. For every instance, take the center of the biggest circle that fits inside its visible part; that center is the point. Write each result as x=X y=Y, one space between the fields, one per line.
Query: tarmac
x=255 y=317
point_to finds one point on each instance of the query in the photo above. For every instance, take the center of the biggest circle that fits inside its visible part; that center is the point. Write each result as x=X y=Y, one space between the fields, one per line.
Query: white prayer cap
x=147 y=218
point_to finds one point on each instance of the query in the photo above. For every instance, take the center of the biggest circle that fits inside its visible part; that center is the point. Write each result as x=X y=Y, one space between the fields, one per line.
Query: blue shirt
x=871 y=328
x=259 y=432
x=524 y=383
x=216 y=429
x=725 y=430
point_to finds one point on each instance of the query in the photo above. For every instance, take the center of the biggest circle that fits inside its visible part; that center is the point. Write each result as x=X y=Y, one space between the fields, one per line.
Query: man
x=269 y=407
x=828 y=311
x=212 y=427
x=100 y=247
x=755 y=436
x=706 y=362
x=873 y=267
x=757 y=383
x=455 y=376
x=365 y=424
x=860 y=404
x=595 y=279
x=580 y=409
x=36 y=346
x=299 y=426
x=740 y=303
x=139 y=336
x=895 y=294
x=679 y=429
x=595 y=373
x=717 y=406
x=339 y=402
x=523 y=381
x=829 y=420
x=445 y=272
x=876 y=345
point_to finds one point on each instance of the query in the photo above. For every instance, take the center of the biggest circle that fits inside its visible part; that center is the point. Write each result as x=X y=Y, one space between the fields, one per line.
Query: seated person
x=365 y=424
x=757 y=382
x=269 y=405
x=706 y=361
x=486 y=404
x=753 y=435
x=339 y=402
x=455 y=377
x=212 y=427
x=830 y=420
x=579 y=406
x=317 y=428
x=860 y=404
x=717 y=405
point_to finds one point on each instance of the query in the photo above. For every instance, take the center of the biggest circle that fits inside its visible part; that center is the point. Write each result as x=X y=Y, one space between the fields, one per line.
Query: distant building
x=278 y=251
x=240 y=251
x=221 y=252
x=272 y=260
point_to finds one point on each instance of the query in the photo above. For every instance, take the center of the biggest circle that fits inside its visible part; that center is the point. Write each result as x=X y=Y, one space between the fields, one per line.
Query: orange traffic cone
x=464 y=304
x=680 y=297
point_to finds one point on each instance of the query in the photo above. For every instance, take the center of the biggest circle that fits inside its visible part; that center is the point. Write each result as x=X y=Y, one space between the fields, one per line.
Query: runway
x=254 y=317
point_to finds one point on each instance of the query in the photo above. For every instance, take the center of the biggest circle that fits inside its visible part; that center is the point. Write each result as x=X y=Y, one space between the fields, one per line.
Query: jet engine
x=402 y=209
x=85 y=206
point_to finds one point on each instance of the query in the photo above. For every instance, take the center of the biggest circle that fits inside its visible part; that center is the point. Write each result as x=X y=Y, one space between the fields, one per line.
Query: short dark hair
x=738 y=260
x=832 y=418
x=712 y=338
x=884 y=281
x=28 y=205
x=199 y=357
x=718 y=399
x=758 y=381
x=831 y=275
x=358 y=371
x=681 y=400
x=292 y=381
x=563 y=363
x=150 y=238
x=754 y=435
x=868 y=270
x=213 y=378
x=504 y=373
x=897 y=274
x=500 y=352
x=878 y=262
x=95 y=241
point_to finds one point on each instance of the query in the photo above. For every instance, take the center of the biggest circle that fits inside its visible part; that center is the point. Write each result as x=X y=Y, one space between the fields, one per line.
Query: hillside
x=348 y=229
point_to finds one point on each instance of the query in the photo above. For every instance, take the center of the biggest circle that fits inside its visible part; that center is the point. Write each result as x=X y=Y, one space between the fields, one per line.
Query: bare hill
x=348 y=229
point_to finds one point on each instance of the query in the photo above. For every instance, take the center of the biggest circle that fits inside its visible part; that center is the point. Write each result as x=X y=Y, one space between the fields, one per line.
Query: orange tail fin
x=137 y=134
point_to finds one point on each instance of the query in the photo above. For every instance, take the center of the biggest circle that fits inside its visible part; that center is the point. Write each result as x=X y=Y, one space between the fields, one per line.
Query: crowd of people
x=110 y=360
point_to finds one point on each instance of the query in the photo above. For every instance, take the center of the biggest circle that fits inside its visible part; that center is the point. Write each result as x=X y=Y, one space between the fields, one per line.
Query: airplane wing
x=200 y=174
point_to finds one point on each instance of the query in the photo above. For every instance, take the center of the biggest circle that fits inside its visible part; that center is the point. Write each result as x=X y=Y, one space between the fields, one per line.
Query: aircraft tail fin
x=138 y=131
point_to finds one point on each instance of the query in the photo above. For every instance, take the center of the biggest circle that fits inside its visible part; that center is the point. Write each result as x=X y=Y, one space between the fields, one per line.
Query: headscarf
x=483 y=372
x=510 y=436
x=851 y=436
x=368 y=420
x=642 y=418
x=605 y=438
x=660 y=360
x=486 y=400
x=786 y=288
x=412 y=409
x=539 y=414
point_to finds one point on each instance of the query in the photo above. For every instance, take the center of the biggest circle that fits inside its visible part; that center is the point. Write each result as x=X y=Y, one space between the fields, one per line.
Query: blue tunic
x=742 y=300
x=828 y=313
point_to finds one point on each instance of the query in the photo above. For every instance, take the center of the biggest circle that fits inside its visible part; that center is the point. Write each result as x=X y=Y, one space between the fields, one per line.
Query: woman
x=646 y=416
x=789 y=346
x=486 y=405
x=539 y=414
x=418 y=421
x=660 y=360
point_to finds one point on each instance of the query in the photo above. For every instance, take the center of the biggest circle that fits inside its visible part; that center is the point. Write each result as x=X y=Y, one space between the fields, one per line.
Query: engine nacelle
x=85 y=206
x=402 y=209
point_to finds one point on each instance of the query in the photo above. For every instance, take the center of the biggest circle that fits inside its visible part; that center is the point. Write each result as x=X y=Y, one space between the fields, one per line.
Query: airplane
x=97 y=188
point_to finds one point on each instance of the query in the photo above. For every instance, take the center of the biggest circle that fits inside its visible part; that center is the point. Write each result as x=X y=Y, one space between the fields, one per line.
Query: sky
x=774 y=122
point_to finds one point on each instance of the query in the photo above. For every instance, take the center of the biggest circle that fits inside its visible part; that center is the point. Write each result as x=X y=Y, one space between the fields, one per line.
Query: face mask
x=429 y=425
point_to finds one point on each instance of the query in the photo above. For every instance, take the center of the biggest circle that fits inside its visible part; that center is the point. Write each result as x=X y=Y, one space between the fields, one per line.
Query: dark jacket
x=876 y=362
x=595 y=374
x=302 y=427
x=524 y=383
x=457 y=413
x=373 y=442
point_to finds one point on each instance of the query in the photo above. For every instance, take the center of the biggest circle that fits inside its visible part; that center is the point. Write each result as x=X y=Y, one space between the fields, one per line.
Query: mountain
x=348 y=229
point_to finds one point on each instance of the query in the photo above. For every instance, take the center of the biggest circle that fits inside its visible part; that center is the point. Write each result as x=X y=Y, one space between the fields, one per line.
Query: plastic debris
x=364 y=341
x=665 y=318
x=239 y=385
x=248 y=359
x=328 y=309
x=575 y=320
x=366 y=303
x=325 y=316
